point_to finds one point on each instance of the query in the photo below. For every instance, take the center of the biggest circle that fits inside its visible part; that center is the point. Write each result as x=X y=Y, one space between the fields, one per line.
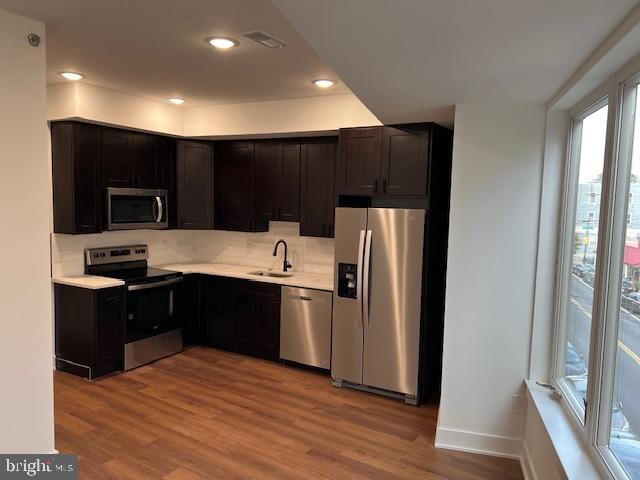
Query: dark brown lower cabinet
x=193 y=328
x=258 y=319
x=89 y=330
x=219 y=311
x=232 y=314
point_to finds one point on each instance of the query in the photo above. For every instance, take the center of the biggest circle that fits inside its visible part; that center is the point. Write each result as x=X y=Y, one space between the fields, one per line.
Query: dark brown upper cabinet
x=144 y=161
x=76 y=162
x=317 y=187
x=405 y=162
x=385 y=161
x=276 y=183
x=360 y=158
x=167 y=175
x=130 y=159
x=233 y=186
x=194 y=178
x=116 y=170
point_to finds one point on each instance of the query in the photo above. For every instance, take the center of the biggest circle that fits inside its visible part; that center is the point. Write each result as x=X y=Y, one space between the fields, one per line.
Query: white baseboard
x=494 y=445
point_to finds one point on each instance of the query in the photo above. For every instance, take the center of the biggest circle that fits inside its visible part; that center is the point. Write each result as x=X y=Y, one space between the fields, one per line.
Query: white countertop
x=88 y=281
x=297 y=279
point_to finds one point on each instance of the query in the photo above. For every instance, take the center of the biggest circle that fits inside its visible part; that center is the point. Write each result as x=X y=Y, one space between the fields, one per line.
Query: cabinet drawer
x=269 y=291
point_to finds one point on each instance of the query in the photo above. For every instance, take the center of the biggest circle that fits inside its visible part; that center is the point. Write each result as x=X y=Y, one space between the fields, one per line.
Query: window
x=588 y=146
x=624 y=420
x=597 y=360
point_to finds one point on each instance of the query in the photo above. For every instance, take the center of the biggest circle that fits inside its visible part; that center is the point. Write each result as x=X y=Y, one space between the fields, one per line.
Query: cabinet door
x=220 y=320
x=109 y=330
x=194 y=185
x=290 y=206
x=144 y=161
x=193 y=332
x=317 y=189
x=167 y=175
x=359 y=161
x=87 y=179
x=234 y=187
x=258 y=319
x=267 y=190
x=405 y=162
x=115 y=158
x=77 y=178
x=267 y=328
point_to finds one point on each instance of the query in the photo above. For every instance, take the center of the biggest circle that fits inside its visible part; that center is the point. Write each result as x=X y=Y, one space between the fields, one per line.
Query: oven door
x=153 y=308
x=134 y=208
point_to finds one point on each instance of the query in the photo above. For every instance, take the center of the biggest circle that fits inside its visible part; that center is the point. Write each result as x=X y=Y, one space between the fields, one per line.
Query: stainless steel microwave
x=137 y=208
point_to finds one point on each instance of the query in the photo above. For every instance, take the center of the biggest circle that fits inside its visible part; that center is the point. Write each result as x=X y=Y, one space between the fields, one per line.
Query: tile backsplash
x=306 y=254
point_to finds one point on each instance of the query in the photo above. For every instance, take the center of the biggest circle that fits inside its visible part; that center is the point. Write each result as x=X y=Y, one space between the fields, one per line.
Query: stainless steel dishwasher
x=305 y=328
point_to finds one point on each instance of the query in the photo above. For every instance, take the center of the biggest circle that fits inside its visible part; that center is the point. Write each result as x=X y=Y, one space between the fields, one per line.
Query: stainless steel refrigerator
x=377 y=300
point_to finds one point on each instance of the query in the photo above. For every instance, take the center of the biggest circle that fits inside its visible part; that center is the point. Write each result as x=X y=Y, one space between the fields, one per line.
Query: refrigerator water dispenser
x=347 y=280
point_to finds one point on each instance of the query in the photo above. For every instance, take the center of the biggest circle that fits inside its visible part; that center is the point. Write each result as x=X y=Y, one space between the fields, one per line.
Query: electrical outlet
x=518 y=403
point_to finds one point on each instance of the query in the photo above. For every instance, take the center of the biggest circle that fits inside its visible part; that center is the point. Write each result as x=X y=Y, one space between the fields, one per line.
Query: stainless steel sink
x=266 y=273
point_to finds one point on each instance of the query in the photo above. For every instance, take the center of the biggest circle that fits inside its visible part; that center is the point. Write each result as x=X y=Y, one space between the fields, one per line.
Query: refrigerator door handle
x=359 y=277
x=365 y=280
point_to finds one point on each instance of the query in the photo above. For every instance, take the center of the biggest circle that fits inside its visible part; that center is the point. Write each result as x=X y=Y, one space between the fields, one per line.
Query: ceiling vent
x=265 y=39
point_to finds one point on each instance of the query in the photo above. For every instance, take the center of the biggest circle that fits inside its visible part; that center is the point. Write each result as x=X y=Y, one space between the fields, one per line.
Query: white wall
x=81 y=100
x=497 y=164
x=26 y=383
x=542 y=462
x=102 y=105
x=557 y=130
x=311 y=114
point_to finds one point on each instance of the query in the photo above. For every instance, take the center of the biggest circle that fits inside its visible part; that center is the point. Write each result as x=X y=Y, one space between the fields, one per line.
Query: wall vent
x=264 y=38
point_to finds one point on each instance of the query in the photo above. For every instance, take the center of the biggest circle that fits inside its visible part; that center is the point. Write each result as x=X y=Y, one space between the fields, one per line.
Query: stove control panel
x=101 y=256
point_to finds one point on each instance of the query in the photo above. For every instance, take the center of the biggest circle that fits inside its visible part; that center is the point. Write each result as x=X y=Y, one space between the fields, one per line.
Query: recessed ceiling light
x=221 y=42
x=72 y=76
x=177 y=101
x=323 y=83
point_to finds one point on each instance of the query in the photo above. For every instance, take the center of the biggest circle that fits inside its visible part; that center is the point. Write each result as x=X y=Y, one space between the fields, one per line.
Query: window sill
x=572 y=453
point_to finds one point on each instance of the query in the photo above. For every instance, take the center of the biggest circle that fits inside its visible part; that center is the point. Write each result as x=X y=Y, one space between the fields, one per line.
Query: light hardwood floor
x=208 y=414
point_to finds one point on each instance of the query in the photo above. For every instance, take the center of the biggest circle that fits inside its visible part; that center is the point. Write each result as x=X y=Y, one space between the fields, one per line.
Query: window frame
x=620 y=93
x=570 y=202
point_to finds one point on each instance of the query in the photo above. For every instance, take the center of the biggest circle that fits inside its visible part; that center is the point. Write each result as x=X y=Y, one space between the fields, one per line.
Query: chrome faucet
x=285 y=265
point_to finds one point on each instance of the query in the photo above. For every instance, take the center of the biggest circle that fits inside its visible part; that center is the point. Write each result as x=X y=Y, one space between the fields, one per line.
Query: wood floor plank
x=209 y=414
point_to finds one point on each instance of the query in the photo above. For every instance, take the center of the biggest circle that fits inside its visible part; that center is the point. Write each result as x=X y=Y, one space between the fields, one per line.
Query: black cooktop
x=131 y=275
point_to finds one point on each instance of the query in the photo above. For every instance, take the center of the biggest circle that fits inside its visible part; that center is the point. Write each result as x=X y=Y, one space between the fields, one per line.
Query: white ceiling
x=410 y=60
x=155 y=49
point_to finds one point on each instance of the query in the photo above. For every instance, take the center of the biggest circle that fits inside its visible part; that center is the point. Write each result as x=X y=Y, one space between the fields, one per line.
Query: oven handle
x=144 y=286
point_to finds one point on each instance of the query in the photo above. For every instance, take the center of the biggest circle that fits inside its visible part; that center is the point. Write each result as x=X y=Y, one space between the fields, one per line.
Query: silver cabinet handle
x=365 y=275
x=306 y=299
x=359 y=277
x=159 y=204
x=145 y=286
x=171 y=303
